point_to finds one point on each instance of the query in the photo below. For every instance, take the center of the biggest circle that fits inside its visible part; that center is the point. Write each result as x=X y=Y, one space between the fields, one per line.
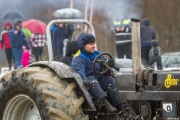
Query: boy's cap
x=84 y=39
x=154 y=43
x=66 y=40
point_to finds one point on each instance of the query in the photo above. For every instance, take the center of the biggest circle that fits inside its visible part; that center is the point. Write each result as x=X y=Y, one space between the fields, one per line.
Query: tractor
x=52 y=90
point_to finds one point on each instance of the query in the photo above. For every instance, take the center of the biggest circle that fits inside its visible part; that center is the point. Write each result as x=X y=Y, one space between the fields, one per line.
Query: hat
x=17 y=24
x=19 y=21
x=8 y=24
x=154 y=43
x=84 y=39
x=66 y=40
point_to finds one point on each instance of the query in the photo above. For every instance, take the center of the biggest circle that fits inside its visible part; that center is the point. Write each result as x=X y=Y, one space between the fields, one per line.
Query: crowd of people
x=150 y=50
x=21 y=45
x=60 y=34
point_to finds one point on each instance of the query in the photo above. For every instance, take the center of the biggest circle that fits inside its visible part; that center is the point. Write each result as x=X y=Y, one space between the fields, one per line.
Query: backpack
x=156 y=51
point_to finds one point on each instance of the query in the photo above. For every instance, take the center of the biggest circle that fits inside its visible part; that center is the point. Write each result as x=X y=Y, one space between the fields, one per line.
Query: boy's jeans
x=17 y=53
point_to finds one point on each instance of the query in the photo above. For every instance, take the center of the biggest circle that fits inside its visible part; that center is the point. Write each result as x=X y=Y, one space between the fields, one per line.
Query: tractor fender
x=65 y=71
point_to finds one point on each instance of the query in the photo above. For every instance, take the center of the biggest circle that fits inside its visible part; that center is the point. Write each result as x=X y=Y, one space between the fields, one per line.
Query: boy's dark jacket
x=18 y=40
x=82 y=61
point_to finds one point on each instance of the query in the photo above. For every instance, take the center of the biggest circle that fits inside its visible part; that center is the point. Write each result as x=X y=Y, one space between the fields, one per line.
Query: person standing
x=27 y=34
x=77 y=32
x=37 y=41
x=122 y=28
x=70 y=30
x=155 y=55
x=6 y=44
x=52 y=30
x=26 y=31
x=17 y=40
x=148 y=34
x=123 y=48
x=59 y=36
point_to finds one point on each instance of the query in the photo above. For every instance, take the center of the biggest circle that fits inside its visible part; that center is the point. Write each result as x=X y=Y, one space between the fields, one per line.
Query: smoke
x=112 y=8
x=115 y=8
x=38 y=8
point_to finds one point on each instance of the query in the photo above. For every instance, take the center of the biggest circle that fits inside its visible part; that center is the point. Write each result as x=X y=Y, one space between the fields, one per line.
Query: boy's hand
x=16 y=32
x=87 y=83
x=111 y=62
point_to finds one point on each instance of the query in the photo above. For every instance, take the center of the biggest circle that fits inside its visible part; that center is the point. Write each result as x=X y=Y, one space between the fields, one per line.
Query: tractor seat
x=71 y=49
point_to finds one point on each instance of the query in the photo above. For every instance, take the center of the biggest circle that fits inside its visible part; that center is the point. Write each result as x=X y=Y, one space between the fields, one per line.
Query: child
x=155 y=55
x=5 y=44
x=25 y=56
x=64 y=48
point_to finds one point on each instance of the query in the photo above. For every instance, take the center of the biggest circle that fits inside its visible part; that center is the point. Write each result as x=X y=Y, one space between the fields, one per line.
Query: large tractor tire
x=36 y=93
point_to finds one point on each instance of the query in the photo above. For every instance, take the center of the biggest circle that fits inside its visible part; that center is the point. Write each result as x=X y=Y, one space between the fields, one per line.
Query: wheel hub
x=21 y=107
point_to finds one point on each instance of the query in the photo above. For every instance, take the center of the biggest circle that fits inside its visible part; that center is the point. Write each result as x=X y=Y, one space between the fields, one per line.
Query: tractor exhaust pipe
x=136 y=45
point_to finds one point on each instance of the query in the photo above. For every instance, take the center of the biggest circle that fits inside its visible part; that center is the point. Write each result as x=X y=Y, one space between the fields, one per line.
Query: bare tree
x=86 y=13
x=91 y=11
x=71 y=3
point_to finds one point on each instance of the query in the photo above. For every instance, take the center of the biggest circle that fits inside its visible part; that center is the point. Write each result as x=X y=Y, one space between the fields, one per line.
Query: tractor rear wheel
x=36 y=93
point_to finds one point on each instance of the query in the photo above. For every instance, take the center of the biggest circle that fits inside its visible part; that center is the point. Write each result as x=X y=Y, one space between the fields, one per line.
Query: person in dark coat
x=148 y=34
x=70 y=29
x=59 y=36
x=6 y=44
x=17 y=40
x=155 y=55
x=52 y=30
x=96 y=84
x=123 y=48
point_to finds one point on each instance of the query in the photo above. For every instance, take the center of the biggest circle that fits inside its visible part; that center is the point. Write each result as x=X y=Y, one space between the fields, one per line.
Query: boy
x=96 y=84
x=17 y=40
x=155 y=55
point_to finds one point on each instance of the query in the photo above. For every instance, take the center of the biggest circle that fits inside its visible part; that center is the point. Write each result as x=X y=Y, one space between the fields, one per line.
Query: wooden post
x=136 y=45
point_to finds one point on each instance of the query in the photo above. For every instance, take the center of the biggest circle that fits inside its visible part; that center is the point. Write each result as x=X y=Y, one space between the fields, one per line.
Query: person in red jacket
x=5 y=42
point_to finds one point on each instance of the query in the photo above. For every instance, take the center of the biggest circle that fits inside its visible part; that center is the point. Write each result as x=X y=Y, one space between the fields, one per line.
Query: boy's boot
x=107 y=106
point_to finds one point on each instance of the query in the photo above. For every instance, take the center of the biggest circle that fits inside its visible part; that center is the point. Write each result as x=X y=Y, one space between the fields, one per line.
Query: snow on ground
x=4 y=70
